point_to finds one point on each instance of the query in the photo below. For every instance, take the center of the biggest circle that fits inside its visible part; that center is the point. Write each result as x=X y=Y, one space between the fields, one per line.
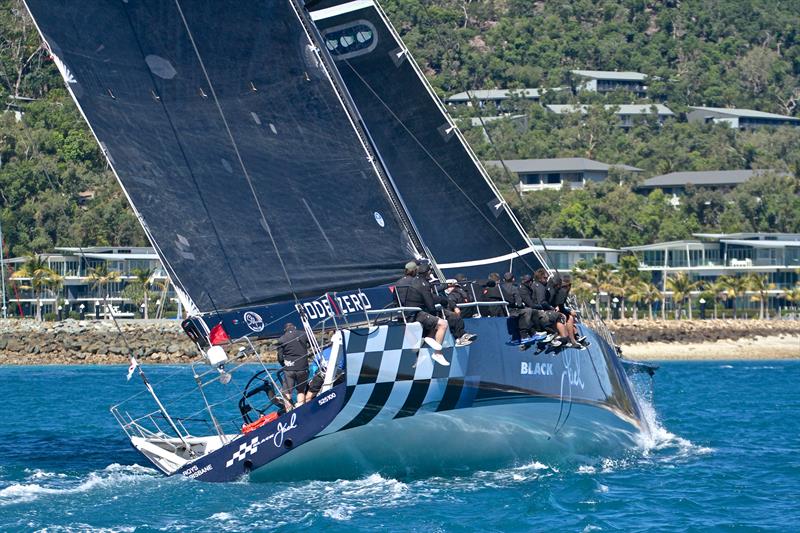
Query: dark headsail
x=458 y=212
x=231 y=144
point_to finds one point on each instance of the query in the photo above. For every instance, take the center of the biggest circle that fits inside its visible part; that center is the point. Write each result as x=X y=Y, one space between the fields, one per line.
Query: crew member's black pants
x=455 y=322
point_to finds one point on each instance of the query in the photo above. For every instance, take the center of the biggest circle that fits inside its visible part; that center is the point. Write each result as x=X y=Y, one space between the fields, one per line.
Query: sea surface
x=724 y=456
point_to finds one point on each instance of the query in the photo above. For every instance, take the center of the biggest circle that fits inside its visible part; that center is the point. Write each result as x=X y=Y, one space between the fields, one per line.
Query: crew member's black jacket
x=512 y=295
x=540 y=297
x=526 y=294
x=293 y=350
x=413 y=292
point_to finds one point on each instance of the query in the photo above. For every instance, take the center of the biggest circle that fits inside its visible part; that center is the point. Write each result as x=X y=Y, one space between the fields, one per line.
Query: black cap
x=508 y=276
x=526 y=278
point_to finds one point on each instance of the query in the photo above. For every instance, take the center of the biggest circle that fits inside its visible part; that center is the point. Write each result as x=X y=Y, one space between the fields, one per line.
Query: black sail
x=231 y=144
x=457 y=211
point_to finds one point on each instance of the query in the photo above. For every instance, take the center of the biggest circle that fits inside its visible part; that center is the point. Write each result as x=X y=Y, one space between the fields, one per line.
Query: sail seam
x=189 y=303
x=458 y=133
x=394 y=196
x=433 y=159
x=236 y=150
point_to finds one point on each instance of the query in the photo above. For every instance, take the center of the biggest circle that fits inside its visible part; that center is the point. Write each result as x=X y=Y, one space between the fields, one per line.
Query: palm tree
x=735 y=287
x=143 y=277
x=638 y=292
x=682 y=286
x=716 y=289
x=39 y=277
x=101 y=276
x=611 y=285
x=653 y=294
x=593 y=277
x=629 y=277
x=760 y=284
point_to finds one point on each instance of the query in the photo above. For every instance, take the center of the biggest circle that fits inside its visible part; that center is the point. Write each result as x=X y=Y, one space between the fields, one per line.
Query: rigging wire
x=508 y=176
x=438 y=165
x=236 y=150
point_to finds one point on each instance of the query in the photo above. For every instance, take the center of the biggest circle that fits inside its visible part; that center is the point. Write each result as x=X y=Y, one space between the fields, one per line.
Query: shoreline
x=759 y=348
x=163 y=342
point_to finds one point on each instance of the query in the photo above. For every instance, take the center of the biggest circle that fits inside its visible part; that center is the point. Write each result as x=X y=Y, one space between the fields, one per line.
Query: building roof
x=624 y=109
x=744 y=113
x=561 y=164
x=496 y=94
x=665 y=245
x=762 y=244
x=703 y=177
x=610 y=75
x=756 y=235
x=477 y=122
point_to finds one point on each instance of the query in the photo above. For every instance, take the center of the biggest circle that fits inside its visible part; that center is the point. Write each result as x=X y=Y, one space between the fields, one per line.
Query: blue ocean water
x=724 y=455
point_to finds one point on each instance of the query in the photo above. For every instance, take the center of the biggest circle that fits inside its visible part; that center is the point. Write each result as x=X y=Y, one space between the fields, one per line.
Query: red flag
x=218 y=335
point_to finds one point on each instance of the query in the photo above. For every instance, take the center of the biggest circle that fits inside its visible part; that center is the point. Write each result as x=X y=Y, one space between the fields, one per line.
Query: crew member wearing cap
x=455 y=319
x=411 y=291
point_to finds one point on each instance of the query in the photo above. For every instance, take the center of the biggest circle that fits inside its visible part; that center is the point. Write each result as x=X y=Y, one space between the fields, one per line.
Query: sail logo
x=536 y=369
x=379 y=219
x=254 y=321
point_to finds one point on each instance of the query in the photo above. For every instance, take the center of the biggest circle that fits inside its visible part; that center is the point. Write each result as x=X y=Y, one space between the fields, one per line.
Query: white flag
x=134 y=364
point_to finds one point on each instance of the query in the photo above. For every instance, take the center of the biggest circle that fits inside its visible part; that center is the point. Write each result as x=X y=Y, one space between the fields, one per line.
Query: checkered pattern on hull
x=390 y=374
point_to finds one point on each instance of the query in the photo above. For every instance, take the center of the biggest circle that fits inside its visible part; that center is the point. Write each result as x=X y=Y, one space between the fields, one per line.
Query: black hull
x=399 y=413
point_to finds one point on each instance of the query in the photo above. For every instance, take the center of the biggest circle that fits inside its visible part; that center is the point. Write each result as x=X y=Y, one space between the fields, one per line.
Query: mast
x=358 y=124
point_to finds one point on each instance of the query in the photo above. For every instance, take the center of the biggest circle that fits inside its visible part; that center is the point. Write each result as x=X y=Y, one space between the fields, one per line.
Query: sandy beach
x=756 y=348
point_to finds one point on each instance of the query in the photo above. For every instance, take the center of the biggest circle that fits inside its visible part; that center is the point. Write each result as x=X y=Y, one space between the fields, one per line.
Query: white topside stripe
x=340 y=9
x=489 y=260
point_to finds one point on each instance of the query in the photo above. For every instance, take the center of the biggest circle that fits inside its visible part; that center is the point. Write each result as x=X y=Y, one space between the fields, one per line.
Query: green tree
x=682 y=286
x=37 y=276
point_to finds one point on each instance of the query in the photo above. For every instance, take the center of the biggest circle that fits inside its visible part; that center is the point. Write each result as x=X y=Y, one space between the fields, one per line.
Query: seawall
x=98 y=342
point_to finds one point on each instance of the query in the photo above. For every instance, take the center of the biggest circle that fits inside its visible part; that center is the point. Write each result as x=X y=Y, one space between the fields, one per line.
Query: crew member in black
x=470 y=292
x=550 y=318
x=293 y=357
x=411 y=291
x=516 y=306
x=455 y=319
x=491 y=293
x=559 y=293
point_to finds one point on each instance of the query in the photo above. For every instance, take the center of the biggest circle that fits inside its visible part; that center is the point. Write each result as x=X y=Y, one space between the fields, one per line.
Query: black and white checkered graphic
x=245 y=449
x=390 y=374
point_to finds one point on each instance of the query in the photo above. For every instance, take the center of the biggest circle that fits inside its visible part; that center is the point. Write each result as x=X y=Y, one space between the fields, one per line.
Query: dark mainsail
x=458 y=212
x=231 y=144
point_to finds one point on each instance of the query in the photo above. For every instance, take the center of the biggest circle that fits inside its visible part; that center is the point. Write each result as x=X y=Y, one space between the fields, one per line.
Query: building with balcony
x=628 y=114
x=739 y=118
x=77 y=288
x=603 y=81
x=575 y=172
x=711 y=255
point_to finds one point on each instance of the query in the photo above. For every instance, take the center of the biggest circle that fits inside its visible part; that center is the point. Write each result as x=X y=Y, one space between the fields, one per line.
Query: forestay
x=231 y=144
x=456 y=209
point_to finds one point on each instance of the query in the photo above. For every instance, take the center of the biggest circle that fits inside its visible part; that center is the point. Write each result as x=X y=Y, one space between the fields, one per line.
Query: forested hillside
x=55 y=188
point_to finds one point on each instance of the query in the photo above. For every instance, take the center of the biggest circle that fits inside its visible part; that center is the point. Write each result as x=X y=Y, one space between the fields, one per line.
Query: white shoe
x=433 y=344
x=439 y=358
x=464 y=340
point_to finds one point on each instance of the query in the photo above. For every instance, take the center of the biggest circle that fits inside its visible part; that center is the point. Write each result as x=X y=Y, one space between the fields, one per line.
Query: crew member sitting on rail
x=293 y=357
x=491 y=293
x=559 y=287
x=411 y=291
x=455 y=318
x=549 y=318
x=516 y=306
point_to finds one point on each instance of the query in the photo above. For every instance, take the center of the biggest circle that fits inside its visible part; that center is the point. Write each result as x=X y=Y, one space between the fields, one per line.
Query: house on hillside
x=603 y=81
x=739 y=118
x=496 y=96
x=541 y=174
x=675 y=183
x=564 y=253
x=627 y=113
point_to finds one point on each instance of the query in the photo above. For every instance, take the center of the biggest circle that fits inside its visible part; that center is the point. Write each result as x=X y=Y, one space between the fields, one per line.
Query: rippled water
x=725 y=455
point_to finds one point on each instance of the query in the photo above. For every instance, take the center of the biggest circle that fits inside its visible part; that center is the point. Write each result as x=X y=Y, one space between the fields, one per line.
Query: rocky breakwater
x=700 y=331
x=27 y=342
